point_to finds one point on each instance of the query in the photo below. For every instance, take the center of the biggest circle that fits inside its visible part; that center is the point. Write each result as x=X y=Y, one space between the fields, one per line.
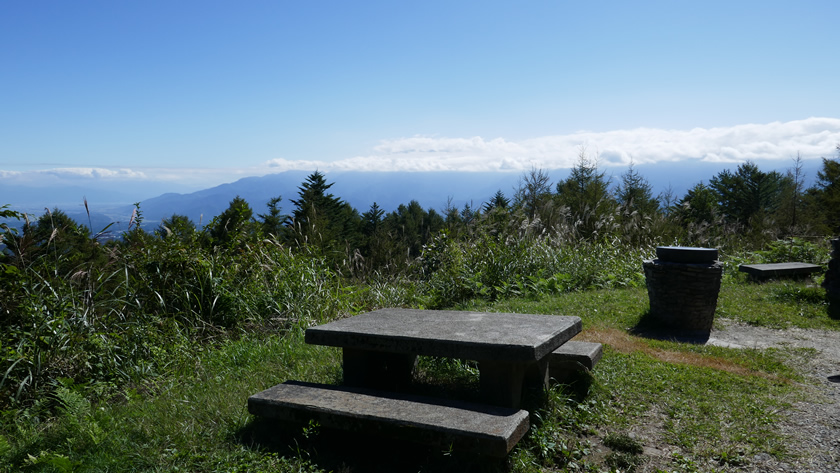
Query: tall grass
x=148 y=305
x=497 y=267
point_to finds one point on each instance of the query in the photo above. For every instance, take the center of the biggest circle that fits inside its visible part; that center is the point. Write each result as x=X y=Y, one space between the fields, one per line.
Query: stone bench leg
x=376 y=369
x=502 y=382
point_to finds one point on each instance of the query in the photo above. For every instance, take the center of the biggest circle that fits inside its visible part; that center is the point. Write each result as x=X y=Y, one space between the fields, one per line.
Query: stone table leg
x=501 y=382
x=536 y=375
x=376 y=369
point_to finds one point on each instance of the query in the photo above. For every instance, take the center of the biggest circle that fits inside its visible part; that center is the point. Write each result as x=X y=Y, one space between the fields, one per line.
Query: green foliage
x=494 y=267
x=7 y=234
x=322 y=222
x=533 y=192
x=823 y=200
x=412 y=227
x=635 y=194
x=177 y=226
x=126 y=317
x=234 y=225
x=623 y=442
x=698 y=205
x=193 y=418
x=273 y=222
x=747 y=193
x=793 y=249
x=498 y=201
x=586 y=194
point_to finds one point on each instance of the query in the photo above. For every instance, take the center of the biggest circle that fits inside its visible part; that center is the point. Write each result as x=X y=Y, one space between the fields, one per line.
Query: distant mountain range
x=359 y=189
x=433 y=190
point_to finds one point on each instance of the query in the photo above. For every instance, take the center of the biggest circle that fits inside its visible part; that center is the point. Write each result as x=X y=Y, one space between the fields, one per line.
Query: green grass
x=712 y=407
x=776 y=304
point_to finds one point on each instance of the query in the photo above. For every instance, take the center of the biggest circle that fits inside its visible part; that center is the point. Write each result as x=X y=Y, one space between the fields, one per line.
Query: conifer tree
x=586 y=194
x=747 y=193
x=234 y=222
x=272 y=222
x=177 y=226
x=634 y=193
x=823 y=199
x=700 y=204
x=322 y=220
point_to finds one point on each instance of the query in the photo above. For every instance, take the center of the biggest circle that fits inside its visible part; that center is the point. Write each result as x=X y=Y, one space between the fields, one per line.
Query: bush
x=496 y=267
x=793 y=249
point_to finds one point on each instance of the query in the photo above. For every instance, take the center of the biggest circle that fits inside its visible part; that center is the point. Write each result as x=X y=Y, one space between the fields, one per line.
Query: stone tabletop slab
x=455 y=334
x=779 y=269
x=686 y=254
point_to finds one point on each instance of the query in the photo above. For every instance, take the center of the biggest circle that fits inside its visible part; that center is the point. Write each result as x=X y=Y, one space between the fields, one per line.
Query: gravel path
x=814 y=425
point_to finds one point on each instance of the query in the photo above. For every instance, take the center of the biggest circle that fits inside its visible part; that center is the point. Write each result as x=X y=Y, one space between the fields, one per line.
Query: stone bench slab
x=574 y=356
x=476 y=428
x=779 y=270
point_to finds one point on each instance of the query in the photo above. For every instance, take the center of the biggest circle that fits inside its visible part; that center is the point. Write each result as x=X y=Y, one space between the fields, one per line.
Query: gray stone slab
x=573 y=357
x=588 y=354
x=779 y=270
x=454 y=334
x=476 y=428
x=686 y=254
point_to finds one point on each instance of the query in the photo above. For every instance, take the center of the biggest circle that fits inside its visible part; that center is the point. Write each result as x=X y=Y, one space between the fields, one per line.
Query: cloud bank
x=810 y=138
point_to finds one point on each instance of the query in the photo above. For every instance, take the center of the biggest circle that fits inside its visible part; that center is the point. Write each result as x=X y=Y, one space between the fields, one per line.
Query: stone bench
x=476 y=428
x=573 y=357
x=761 y=272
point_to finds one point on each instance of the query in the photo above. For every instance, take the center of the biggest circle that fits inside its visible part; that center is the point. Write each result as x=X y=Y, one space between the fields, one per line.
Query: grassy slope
x=686 y=399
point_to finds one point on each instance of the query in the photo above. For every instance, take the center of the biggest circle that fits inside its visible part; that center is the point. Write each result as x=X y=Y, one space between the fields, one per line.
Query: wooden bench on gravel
x=762 y=272
x=573 y=357
x=477 y=428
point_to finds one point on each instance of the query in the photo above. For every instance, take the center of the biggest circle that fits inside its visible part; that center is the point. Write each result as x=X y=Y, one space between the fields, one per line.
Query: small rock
x=762 y=458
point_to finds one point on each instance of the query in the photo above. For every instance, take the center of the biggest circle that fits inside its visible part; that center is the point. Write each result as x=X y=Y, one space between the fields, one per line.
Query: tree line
x=754 y=205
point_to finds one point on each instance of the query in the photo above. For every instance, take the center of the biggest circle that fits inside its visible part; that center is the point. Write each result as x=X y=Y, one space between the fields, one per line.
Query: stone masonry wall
x=683 y=296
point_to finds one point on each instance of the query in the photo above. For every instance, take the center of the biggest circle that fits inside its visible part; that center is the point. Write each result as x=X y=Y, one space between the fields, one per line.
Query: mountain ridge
x=360 y=189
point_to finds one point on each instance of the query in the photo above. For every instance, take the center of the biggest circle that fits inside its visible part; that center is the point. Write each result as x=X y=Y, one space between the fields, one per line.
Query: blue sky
x=190 y=94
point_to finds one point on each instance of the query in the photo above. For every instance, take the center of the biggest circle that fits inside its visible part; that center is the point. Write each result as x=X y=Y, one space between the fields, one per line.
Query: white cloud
x=811 y=138
x=94 y=173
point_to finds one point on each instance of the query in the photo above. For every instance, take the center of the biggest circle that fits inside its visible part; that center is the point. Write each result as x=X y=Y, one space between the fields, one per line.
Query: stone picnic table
x=512 y=350
x=380 y=349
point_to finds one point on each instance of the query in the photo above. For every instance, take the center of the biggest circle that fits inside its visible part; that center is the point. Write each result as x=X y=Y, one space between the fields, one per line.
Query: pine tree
x=498 y=201
x=747 y=193
x=272 y=222
x=634 y=194
x=586 y=194
x=177 y=226
x=323 y=221
x=823 y=200
x=700 y=204
x=235 y=222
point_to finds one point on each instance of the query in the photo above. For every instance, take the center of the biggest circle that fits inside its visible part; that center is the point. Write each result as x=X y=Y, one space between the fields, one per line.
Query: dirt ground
x=814 y=425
